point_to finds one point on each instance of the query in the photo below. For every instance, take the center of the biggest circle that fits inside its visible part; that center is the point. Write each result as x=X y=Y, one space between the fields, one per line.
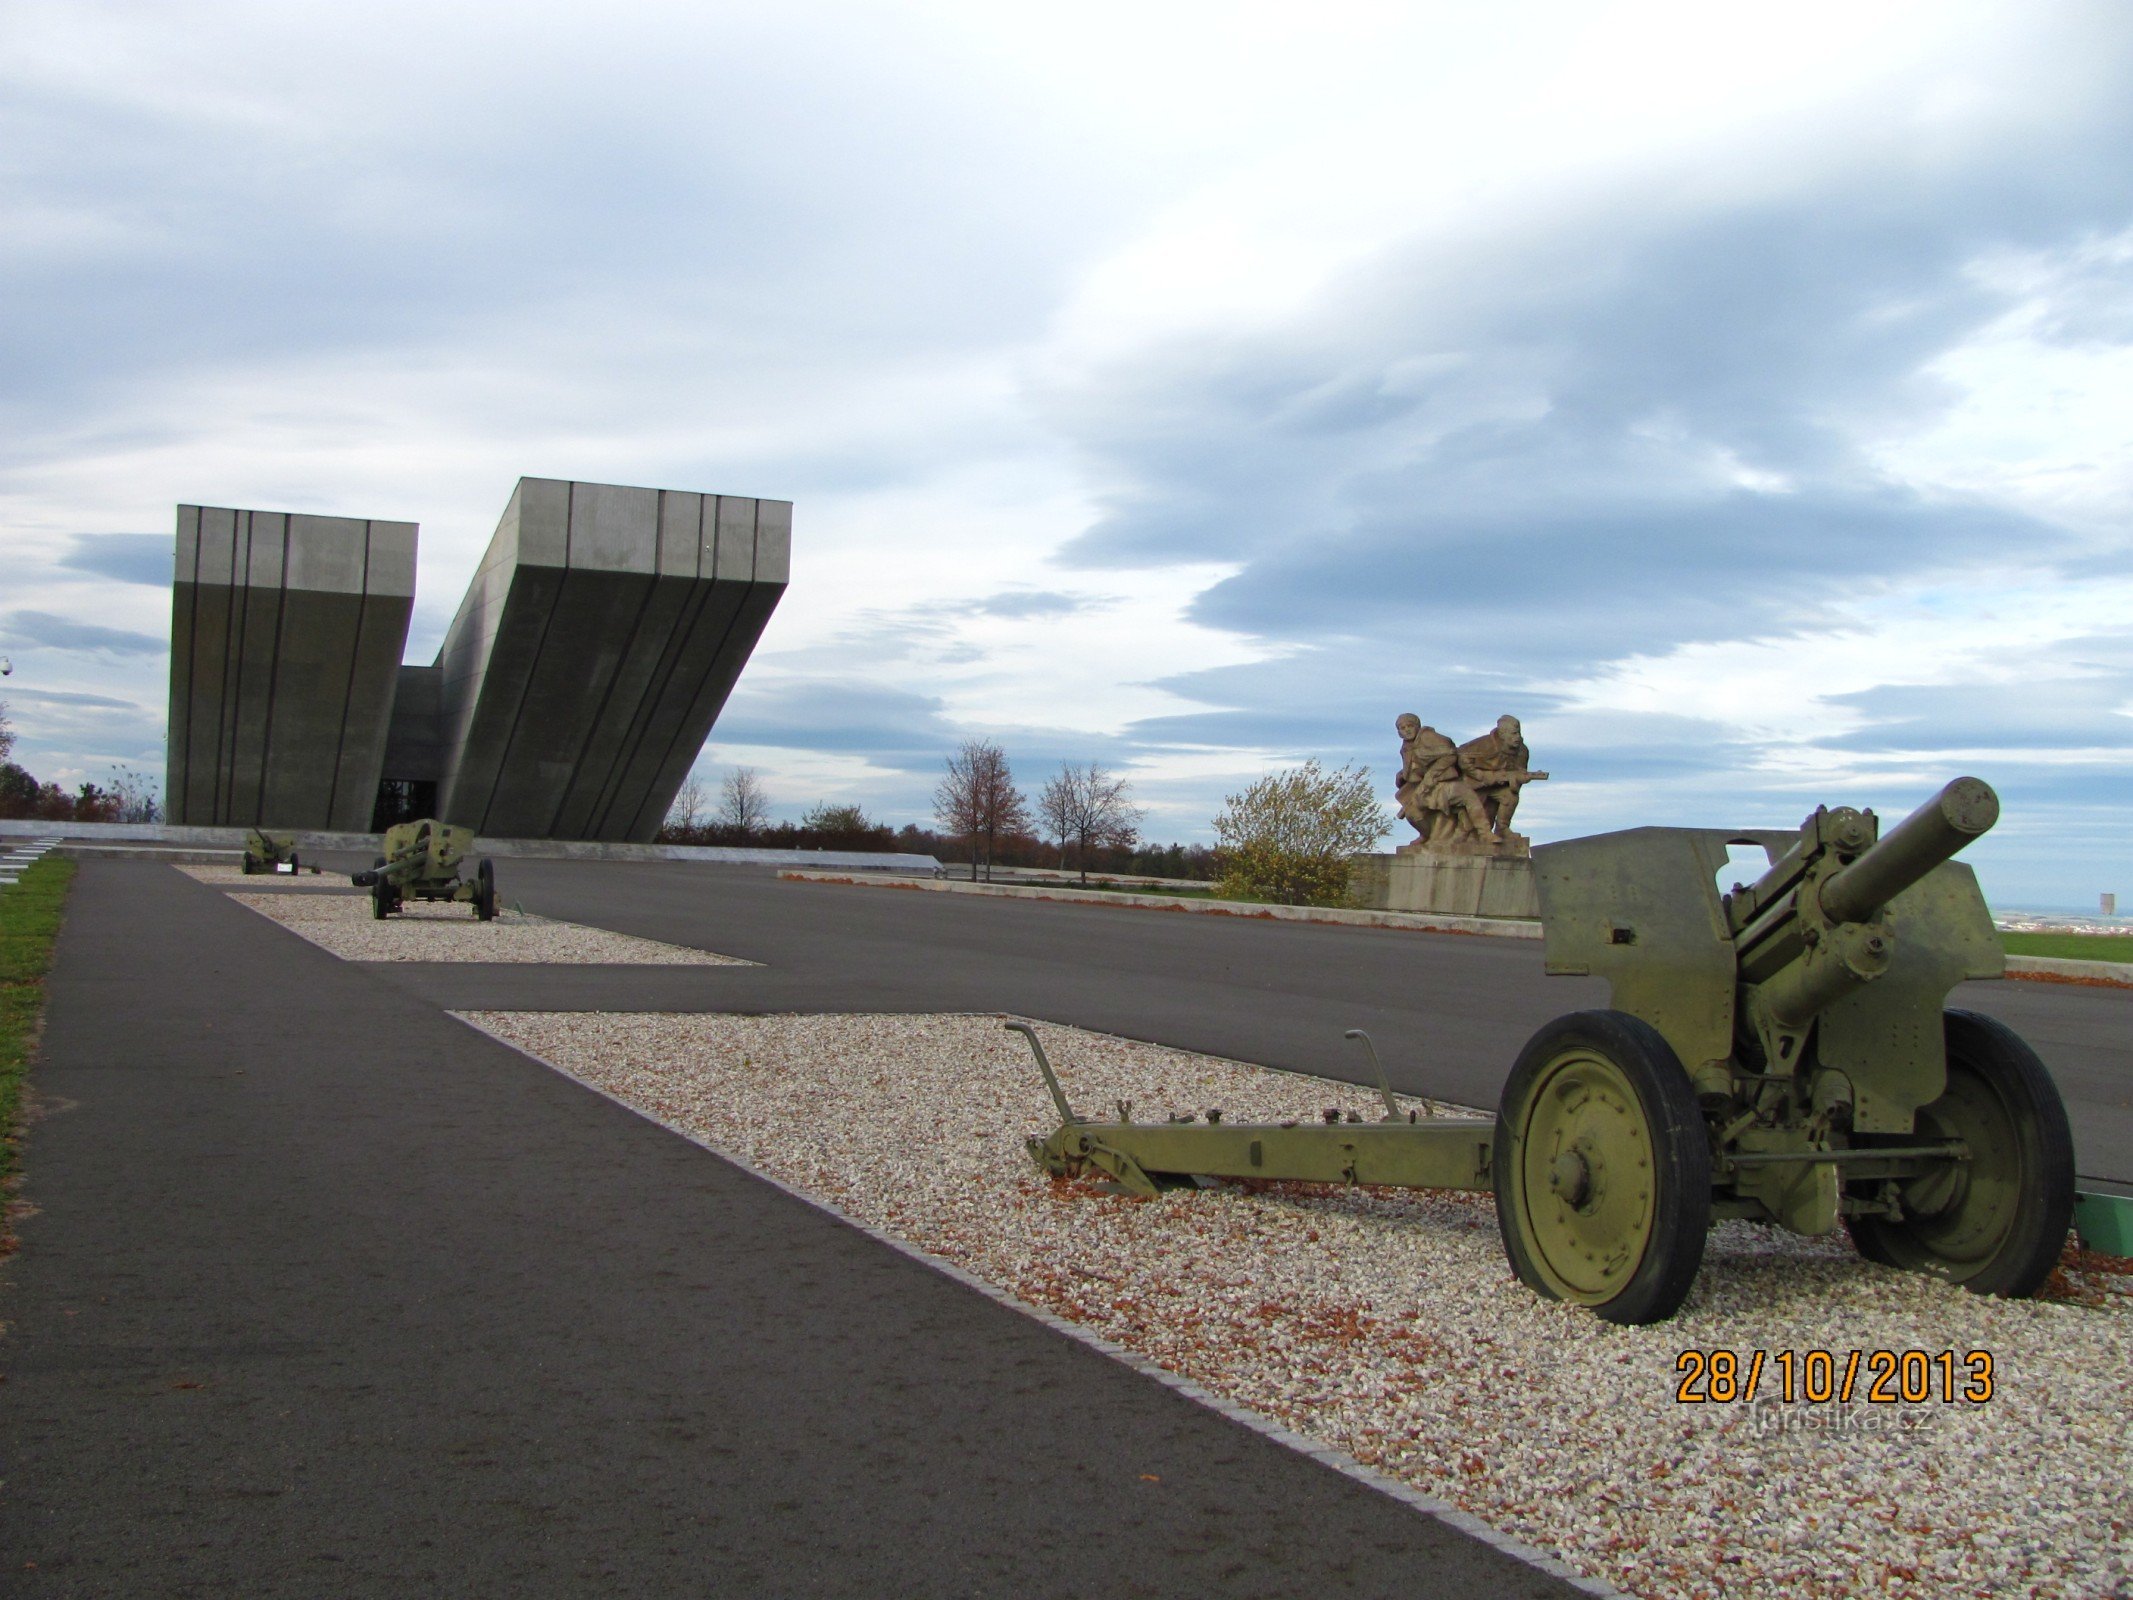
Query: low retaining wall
x=1420 y=921
x=114 y=838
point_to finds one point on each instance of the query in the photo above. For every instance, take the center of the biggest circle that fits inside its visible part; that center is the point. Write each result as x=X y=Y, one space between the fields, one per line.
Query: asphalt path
x=1447 y=1012
x=324 y=1293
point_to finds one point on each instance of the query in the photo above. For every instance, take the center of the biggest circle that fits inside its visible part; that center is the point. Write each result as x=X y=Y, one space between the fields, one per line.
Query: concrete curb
x=2117 y=974
x=1421 y=922
x=161 y=839
x=2110 y=973
x=1338 y=1460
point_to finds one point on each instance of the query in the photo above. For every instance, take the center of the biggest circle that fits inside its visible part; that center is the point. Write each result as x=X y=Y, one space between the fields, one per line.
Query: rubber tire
x=1991 y=1053
x=251 y=867
x=1681 y=1157
x=485 y=891
x=383 y=902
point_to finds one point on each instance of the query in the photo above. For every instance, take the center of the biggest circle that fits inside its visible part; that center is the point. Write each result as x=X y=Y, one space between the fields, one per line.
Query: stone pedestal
x=1465 y=885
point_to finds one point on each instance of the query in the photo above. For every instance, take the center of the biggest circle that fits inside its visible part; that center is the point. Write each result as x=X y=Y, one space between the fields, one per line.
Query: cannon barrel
x=1960 y=813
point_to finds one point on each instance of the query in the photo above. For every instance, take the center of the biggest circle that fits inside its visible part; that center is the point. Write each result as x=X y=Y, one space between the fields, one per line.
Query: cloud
x=126 y=557
x=885 y=726
x=1664 y=377
x=40 y=629
x=61 y=697
x=1026 y=603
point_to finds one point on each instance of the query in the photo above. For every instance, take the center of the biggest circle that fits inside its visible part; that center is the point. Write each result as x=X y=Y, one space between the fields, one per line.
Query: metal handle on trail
x=1392 y=1106
x=1051 y=1082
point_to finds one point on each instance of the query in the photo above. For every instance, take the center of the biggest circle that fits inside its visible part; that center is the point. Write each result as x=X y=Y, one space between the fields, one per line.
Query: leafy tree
x=742 y=805
x=1288 y=838
x=826 y=818
x=978 y=802
x=18 y=791
x=1090 y=809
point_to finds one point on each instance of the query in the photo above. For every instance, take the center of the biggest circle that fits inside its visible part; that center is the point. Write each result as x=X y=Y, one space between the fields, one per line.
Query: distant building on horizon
x=593 y=651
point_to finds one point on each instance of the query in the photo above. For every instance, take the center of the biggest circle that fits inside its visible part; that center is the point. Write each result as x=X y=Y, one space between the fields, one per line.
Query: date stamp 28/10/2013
x=1839 y=1377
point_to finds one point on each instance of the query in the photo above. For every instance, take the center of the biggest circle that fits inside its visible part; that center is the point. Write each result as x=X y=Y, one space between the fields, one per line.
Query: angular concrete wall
x=285 y=642
x=593 y=651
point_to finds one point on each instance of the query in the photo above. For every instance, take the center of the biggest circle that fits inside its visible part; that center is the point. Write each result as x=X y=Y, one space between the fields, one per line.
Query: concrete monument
x=1460 y=799
x=593 y=651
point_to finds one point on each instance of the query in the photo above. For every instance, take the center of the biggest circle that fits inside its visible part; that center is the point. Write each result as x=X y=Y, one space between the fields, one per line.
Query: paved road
x=327 y=1294
x=1449 y=1013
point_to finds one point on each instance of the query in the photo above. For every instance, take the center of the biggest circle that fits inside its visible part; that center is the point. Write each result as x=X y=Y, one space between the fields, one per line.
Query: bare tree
x=742 y=805
x=133 y=796
x=978 y=801
x=1058 y=802
x=7 y=733
x=1091 y=809
x=688 y=806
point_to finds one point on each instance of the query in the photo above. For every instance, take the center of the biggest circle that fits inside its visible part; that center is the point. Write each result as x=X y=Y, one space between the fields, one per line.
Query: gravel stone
x=437 y=931
x=1386 y=1324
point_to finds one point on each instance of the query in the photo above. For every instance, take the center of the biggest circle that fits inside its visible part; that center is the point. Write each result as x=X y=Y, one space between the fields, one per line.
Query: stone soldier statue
x=1495 y=768
x=1431 y=793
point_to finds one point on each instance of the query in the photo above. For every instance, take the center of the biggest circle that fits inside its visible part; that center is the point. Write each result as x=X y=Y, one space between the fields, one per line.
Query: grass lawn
x=2071 y=946
x=29 y=921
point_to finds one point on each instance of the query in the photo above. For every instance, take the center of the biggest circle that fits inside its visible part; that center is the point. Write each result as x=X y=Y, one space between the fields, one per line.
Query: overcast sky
x=1739 y=395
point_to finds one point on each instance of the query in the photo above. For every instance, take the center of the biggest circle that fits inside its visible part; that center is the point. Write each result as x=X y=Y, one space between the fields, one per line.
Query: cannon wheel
x=1602 y=1168
x=383 y=900
x=1996 y=1223
x=485 y=891
x=251 y=865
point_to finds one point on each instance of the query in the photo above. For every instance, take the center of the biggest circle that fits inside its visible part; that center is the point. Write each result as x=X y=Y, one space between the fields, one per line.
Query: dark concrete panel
x=286 y=634
x=206 y=607
x=608 y=734
x=494 y=693
x=367 y=707
x=414 y=741
x=598 y=643
x=589 y=634
x=691 y=656
x=742 y=633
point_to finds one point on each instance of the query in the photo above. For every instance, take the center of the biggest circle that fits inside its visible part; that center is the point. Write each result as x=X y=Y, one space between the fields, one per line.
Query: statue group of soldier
x=1461 y=797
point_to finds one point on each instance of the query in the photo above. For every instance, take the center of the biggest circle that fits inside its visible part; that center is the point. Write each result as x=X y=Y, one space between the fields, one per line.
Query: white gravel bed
x=1387 y=1325
x=437 y=931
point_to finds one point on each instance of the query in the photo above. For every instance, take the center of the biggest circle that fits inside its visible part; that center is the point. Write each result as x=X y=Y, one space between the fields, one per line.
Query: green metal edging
x=2105 y=1222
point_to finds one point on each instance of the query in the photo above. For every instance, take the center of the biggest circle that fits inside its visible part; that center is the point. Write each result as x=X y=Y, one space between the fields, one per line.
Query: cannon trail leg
x=1603 y=1168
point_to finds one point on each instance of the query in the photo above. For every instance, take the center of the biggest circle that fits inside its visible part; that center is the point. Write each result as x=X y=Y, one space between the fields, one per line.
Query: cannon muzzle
x=1960 y=813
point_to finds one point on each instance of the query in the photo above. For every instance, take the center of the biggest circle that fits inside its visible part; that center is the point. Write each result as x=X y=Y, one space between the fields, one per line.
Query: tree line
x=127 y=797
x=1083 y=818
x=1290 y=838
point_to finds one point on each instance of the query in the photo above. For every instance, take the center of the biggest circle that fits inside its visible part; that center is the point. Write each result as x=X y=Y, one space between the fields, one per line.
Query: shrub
x=1289 y=836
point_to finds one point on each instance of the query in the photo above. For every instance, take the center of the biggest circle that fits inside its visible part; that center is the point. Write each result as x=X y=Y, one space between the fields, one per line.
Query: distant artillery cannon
x=270 y=852
x=1779 y=1053
x=421 y=862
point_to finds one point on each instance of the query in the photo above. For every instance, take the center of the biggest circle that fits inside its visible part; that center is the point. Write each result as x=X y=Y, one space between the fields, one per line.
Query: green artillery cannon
x=269 y=852
x=1780 y=1053
x=421 y=862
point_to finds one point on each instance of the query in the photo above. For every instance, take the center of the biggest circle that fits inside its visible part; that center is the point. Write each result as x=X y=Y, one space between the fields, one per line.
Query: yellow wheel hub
x=1586 y=1166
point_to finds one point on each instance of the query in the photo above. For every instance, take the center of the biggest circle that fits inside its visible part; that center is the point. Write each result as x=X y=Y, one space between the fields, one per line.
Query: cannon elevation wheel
x=1603 y=1168
x=485 y=891
x=1994 y=1224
